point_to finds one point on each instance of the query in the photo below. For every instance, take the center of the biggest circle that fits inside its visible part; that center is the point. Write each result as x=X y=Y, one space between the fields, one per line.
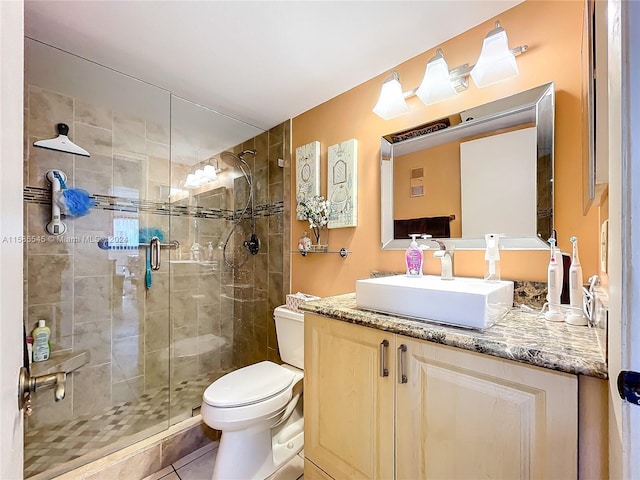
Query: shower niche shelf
x=343 y=252
x=61 y=361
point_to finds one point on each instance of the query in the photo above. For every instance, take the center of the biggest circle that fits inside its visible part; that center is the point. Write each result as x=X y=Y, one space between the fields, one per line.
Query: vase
x=318 y=246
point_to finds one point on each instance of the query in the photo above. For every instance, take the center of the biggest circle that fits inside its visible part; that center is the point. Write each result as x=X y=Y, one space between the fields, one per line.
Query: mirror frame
x=537 y=106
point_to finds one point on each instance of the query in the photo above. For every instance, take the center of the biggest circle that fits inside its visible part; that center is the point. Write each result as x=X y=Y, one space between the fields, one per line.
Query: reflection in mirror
x=488 y=169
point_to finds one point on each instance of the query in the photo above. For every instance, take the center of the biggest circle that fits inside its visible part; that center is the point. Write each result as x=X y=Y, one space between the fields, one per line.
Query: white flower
x=315 y=209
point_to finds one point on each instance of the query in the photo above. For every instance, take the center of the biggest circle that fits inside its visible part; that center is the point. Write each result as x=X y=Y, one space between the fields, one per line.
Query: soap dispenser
x=492 y=258
x=413 y=258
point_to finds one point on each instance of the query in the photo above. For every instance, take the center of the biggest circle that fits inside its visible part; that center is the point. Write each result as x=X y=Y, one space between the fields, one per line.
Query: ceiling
x=260 y=62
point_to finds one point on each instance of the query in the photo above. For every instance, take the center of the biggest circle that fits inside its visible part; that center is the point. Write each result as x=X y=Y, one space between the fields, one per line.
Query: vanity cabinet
x=380 y=405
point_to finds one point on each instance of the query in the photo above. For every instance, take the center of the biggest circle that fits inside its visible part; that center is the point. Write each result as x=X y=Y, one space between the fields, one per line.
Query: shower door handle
x=154 y=251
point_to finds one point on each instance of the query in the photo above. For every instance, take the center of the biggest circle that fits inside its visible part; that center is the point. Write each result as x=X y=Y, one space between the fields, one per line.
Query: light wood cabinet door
x=463 y=415
x=348 y=404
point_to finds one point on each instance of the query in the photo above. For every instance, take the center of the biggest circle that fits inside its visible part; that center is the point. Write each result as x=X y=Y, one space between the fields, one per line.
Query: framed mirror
x=488 y=169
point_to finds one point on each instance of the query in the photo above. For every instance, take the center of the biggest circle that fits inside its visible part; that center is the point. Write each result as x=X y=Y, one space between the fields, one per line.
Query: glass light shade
x=436 y=84
x=191 y=181
x=496 y=62
x=210 y=172
x=391 y=103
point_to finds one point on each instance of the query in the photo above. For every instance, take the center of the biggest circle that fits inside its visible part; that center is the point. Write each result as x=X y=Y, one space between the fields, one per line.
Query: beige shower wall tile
x=184 y=147
x=129 y=134
x=209 y=319
x=96 y=163
x=129 y=173
x=158 y=295
x=91 y=389
x=262 y=150
x=179 y=172
x=94 y=115
x=89 y=259
x=156 y=331
x=127 y=316
x=184 y=308
x=159 y=164
x=158 y=133
x=93 y=139
x=276 y=192
x=92 y=299
x=184 y=341
x=46 y=110
x=96 y=221
x=156 y=369
x=127 y=358
x=186 y=283
x=95 y=337
x=50 y=279
x=58 y=317
x=183 y=368
x=93 y=182
x=261 y=188
x=41 y=160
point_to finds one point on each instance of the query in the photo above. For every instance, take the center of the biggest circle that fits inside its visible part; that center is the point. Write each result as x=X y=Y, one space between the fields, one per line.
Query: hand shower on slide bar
x=252 y=244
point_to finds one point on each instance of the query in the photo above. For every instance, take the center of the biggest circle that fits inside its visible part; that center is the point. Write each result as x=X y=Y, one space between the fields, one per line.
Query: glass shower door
x=94 y=286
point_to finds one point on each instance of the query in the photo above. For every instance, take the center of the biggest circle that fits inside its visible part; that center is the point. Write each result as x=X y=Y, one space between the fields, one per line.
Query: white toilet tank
x=290 y=334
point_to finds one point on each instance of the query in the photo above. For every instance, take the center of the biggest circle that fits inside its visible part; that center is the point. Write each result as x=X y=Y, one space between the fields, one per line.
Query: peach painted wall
x=441 y=185
x=553 y=31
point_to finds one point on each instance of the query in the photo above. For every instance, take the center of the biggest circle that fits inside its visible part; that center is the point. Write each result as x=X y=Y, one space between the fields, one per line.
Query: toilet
x=258 y=408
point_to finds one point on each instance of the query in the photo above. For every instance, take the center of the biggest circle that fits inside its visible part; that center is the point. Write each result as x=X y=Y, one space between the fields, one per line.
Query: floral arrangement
x=315 y=209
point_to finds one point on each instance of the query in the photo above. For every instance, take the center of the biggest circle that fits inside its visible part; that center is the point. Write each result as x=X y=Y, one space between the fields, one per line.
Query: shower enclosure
x=142 y=344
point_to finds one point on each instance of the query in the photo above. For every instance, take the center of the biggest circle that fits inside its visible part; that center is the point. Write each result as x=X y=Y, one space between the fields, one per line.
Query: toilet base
x=255 y=454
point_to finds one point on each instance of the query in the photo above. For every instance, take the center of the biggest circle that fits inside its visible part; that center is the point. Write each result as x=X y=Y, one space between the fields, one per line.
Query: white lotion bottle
x=554 y=286
x=413 y=258
x=492 y=258
x=41 y=346
x=575 y=316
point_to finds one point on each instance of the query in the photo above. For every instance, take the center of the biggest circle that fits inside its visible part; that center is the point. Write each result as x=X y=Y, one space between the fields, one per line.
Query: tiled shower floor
x=119 y=424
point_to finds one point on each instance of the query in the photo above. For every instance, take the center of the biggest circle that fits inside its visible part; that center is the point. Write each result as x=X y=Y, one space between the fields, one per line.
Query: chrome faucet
x=445 y=255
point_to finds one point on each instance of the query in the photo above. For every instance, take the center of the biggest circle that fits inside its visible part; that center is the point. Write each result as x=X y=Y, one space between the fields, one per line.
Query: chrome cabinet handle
x=384 y=371
x=402 y=377
x=154 y=250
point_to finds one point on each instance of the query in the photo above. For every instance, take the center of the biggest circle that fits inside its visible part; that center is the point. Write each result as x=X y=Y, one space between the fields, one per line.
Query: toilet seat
x=249 y=385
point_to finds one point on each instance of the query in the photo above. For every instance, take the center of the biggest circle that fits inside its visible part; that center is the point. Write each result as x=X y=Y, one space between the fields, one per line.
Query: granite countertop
x=519 y=336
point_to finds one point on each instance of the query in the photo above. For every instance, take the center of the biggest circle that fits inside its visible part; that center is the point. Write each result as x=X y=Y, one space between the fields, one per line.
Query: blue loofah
x=77 y=201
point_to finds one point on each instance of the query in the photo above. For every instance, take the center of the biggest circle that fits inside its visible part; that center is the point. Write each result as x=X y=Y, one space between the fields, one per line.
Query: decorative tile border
x=42 y=196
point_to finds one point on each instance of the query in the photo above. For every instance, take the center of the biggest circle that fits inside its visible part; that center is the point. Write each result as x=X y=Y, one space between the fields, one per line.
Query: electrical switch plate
x=604 y=246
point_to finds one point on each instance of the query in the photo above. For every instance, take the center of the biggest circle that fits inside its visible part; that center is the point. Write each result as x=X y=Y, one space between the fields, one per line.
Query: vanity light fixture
x=436 y=84
x=207 y=173
x=392 y=101
x=496 y=63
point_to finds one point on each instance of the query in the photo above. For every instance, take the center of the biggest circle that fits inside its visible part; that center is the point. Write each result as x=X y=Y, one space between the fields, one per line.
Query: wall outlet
x=604 y=246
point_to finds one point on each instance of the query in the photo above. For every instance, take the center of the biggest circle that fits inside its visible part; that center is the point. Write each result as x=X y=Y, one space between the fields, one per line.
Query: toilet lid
x=248 y=385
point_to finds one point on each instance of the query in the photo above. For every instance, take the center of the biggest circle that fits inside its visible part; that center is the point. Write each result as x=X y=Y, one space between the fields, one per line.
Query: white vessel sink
x=467 y=302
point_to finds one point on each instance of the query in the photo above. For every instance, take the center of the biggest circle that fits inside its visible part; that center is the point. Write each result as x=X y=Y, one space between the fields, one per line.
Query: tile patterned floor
x=199 y=466
x=115 y=426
